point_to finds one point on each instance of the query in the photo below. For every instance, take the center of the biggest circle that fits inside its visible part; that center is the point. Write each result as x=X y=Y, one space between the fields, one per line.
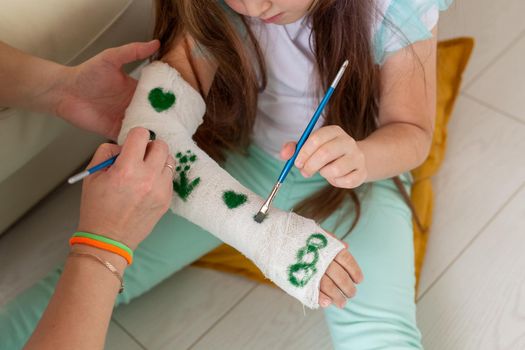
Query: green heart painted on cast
x=234 y=200
x=161 y=101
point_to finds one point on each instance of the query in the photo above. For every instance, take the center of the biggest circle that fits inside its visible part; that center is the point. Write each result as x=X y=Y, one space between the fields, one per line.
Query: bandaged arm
x=292 y=251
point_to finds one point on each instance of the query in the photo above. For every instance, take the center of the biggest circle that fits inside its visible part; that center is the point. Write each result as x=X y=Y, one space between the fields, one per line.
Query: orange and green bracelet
x=103 y=243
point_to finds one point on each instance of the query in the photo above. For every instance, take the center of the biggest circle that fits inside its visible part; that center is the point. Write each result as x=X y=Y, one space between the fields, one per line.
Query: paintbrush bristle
x=259 y=218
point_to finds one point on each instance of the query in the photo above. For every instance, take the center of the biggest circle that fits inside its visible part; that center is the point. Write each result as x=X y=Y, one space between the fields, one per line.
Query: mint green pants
x=380 y=316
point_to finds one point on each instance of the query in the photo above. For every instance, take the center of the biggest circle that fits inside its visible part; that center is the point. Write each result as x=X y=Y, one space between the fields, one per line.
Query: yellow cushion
x=453 y=56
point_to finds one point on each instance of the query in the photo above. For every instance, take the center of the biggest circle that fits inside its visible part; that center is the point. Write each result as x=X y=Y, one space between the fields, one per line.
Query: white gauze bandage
x=292 y=251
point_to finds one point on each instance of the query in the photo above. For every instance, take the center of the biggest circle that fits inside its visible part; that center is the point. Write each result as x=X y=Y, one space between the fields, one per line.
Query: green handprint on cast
x=183 y=186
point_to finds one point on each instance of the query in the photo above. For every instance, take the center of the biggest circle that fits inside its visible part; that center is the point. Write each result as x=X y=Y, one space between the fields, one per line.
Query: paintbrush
x=86 y=173
x=261 y=215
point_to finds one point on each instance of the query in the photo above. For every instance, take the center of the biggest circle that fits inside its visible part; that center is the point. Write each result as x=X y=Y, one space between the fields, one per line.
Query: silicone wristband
x=125 y=253
x=105 y=240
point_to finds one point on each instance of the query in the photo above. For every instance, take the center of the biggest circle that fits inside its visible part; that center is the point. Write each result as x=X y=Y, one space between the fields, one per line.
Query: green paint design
x=161 y=101
x=182 y=185
x=234 y=200
x=300 y=273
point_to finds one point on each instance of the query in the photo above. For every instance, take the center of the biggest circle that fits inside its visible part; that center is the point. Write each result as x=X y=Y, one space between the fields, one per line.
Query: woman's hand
x=95 y=94
x=339 y=280
x=334 y=154
x=125 y=201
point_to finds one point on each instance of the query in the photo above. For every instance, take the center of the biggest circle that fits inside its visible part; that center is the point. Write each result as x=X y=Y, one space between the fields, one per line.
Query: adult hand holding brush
x=119 y=207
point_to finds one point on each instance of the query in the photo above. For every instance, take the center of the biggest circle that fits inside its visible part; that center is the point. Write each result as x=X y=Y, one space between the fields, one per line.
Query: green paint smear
x=300 y=273
x=161 y=101
x=234 y=200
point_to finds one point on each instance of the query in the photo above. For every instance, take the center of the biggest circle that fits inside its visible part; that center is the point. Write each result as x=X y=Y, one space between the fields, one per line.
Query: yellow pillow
x=453 y=56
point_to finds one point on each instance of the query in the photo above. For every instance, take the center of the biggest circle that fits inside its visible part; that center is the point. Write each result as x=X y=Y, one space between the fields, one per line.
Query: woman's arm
x=123 y=203
x=78 y=314
x=92 y=95
x=27 y=80
x=406 y=113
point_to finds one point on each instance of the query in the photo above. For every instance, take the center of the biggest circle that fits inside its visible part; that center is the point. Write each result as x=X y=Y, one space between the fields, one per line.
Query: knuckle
x=124 y=172
x=337 y=170
x=327 y=173
x=106 y=150
x=139 y=131
x=346 y=260
x=107 y=53
x=324 y=284
x=104 y=147
x=350 y=290
x=324 y=153
x=308 y=167
x=338 y=296
x=315 y=140
x=161 y=146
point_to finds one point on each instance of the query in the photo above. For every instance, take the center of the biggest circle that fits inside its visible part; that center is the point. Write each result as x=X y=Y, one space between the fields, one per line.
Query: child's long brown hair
x=341 y=30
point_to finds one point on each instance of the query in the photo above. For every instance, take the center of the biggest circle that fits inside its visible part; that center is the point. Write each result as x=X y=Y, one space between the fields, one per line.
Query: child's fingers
x=342 y=279
x=347 y=261
x=324 y=300
x=338 y=168
x=316 y=140
x=329 y=288
x=324 y=155
x=351 y=180
x=288 y=150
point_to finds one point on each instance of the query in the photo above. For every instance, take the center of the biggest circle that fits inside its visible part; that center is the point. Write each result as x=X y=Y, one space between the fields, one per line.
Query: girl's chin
x=286 y=19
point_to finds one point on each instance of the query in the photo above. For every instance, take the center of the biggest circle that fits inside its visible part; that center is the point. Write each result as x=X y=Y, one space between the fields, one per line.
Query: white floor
x=472 y=293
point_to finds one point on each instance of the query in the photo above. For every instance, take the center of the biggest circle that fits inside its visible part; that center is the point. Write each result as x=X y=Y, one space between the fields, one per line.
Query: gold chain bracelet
x=107 y=264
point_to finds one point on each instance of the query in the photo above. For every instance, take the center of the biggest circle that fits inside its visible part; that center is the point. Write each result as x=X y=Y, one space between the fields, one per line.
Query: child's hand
x=338 y=282
x=334 y=154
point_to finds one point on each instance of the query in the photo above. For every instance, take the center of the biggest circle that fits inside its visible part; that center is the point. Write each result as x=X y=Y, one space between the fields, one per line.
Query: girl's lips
x=273 y=19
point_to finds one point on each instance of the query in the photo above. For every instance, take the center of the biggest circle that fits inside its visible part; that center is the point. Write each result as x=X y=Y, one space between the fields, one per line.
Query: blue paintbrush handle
x=103 y=165
x=289 y=164
x=86 y=173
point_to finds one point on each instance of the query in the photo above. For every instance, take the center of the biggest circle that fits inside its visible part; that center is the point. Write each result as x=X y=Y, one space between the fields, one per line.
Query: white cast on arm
x=292 y=251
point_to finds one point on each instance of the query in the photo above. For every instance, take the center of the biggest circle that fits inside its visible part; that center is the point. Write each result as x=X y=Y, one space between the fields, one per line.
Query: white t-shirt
x=291 y=97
